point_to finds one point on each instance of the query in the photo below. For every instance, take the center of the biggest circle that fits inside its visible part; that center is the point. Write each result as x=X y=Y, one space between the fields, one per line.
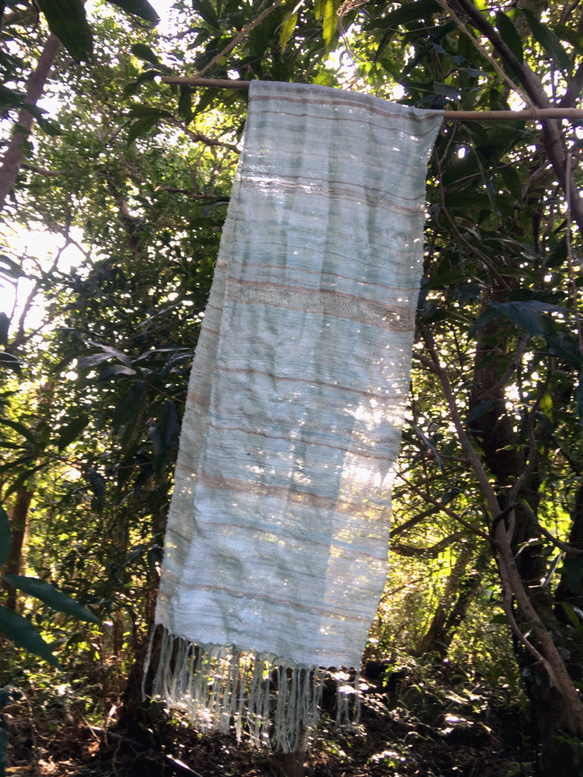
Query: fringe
x=221 y=687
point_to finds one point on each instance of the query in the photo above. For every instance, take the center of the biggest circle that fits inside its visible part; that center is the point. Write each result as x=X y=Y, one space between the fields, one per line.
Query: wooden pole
x=531 y=114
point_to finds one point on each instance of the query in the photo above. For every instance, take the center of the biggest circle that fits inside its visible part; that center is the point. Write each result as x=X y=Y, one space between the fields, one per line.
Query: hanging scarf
x=276 y=545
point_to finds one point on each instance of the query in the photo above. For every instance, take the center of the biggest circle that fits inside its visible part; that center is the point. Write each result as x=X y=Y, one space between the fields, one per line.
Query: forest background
x=475 y=658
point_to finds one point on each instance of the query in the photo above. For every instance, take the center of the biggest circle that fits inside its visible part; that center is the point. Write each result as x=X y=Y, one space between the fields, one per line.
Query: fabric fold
x=276 y=543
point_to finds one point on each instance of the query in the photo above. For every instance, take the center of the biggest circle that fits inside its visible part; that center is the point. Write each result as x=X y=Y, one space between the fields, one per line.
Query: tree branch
x=554 y=143
x=14 y=156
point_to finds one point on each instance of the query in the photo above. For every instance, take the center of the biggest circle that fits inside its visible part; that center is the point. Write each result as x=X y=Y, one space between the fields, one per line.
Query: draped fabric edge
x=222 y=688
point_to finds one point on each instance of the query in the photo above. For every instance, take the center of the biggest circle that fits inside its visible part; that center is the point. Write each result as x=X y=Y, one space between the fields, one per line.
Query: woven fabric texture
x=278 y=529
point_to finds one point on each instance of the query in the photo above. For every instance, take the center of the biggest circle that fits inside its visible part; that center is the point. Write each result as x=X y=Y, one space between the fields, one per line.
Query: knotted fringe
x=221 y=687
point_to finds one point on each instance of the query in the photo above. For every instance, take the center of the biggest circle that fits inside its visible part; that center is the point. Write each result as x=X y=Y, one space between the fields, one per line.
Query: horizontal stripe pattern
x=278 y=528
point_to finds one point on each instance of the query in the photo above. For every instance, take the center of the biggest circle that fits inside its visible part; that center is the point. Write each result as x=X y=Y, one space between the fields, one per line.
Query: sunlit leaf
x=20 y=428
x=330 y=22
x=287 y=29
x=50 y=596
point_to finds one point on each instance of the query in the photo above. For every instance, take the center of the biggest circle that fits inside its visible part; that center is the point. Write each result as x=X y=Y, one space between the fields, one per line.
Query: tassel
x=221 y=688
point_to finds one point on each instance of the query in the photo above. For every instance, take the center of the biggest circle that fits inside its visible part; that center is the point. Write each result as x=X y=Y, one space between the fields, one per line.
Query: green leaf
x=67 y=19
x=9 y=361
x=549 y=42
x=330 y=22
x=11 y=268
x=446 y=90
x=21 y=631
x=165 y=432
x=479 y=410
x=5 y=536
x=72 y=431
x=140 y=8
x=49 y=595
x=206 y=11
x=523 y=316
x=147 y=112
x=573 y=573
x=10 y=98
x=110 y=370
x=580 y=398
x=572 y=615
x=287 y=29
x=22 y=479
x=206 y=100
x=571 y=36
x=185 y=105
x=428 y=443
x=21 y=429
x=509 y=35
x=130 y=405
x=120 y=355
x=408 y=12
x=142 y=127
x=85 y=362
x=144 y=52
x=4 y=326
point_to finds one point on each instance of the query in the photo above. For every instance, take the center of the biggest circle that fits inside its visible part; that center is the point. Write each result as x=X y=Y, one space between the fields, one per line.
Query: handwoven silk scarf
x=276 y=545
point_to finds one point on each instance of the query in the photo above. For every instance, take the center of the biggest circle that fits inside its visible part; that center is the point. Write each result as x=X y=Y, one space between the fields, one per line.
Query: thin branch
x=198 y=137
x=412 y=551
x=42 y=170
x=554 y=141
x=239 y=38
x=474 y=529
x=14 y=156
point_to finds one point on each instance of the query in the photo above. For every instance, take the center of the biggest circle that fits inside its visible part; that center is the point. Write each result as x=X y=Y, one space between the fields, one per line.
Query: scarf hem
x=223 y=688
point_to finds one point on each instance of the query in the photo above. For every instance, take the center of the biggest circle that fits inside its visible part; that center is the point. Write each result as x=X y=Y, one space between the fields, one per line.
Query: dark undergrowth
x=414 y=721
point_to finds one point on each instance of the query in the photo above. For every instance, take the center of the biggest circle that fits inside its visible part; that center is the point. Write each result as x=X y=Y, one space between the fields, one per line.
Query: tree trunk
x=19 y=525
x=438 y=636
x=556 y=723
x=14 y=156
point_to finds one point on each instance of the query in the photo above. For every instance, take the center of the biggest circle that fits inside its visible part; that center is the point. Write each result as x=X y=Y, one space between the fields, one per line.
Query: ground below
x=406 y=729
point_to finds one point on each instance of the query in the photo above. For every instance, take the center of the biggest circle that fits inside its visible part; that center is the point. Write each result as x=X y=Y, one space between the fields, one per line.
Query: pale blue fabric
x=278 y=531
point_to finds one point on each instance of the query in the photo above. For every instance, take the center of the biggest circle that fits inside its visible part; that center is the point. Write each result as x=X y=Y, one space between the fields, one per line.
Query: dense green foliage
x=131 y=176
